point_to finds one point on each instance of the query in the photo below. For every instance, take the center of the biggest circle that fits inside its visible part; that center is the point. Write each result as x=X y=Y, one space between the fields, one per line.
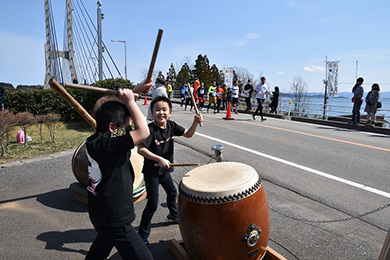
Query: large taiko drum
x=80 y=166
x=224 y=213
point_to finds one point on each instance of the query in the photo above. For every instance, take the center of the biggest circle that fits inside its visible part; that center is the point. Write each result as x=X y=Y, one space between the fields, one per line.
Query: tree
x=171 y=75
x=160 y=75
x=215 y=74
x=242 y=75
x=51 y=123
x=202 y=70
x=299 y=89
x=7 y=123
x=40 y=121
x=25 y=119
x=183 y=77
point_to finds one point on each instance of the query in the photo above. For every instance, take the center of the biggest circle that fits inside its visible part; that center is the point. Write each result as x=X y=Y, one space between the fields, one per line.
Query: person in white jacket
x=261 y=91
x=160 y=89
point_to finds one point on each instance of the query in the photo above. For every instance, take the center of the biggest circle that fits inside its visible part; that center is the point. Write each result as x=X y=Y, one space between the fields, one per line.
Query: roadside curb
x=36 y=159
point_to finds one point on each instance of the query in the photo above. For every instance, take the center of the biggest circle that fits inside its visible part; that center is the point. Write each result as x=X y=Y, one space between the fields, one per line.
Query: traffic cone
x=229 y=113
x=146 y=100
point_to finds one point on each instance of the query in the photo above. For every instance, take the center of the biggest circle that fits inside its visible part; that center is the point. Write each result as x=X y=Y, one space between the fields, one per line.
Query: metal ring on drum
x=223 y=212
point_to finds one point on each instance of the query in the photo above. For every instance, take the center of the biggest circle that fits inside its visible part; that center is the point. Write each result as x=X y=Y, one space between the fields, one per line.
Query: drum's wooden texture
x=80 y=166
x=214 y=229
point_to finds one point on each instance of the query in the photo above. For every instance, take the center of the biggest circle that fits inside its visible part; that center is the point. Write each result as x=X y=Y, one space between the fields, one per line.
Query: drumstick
x=154 y=57
x=179 y=164
x=96 y=89
x=193 y=102
x=76 y=105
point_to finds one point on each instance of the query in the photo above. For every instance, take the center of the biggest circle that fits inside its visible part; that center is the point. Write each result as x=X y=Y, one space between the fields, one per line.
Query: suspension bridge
x=83 y=56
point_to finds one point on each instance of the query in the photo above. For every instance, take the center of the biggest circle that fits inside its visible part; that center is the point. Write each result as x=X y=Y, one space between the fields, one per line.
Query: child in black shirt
x=159 y=148
x=110 y=192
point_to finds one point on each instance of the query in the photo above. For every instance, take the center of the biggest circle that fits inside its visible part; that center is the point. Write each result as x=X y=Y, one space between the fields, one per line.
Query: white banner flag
x=228 y=77
x=333 y=78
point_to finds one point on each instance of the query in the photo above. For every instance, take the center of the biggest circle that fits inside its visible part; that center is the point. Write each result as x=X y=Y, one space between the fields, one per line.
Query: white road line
x=320 y=173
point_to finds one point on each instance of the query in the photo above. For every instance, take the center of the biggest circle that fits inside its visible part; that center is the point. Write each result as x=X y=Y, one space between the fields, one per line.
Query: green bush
x=41 y=102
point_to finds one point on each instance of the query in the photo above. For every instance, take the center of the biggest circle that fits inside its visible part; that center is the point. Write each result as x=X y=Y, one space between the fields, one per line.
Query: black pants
x=151 y=182
x=259 y=107
x=273 y=106
x=125 y=239
x=224 y=104
x=219 y=101
x=208 y=107
x=188 y=101
x=248 y=103
x=182 y=100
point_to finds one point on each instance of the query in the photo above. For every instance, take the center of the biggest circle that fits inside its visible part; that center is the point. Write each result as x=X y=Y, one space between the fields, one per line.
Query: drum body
x=80 y=165
x=224 y=213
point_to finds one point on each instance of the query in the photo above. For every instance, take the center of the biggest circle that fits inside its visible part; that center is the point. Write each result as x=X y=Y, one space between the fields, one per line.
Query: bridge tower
x=52 y=53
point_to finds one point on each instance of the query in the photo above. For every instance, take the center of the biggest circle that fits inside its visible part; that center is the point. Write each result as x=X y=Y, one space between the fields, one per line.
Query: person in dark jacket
x=247 y=93
x=357 y=100
x=274 y=100
x=371 y=104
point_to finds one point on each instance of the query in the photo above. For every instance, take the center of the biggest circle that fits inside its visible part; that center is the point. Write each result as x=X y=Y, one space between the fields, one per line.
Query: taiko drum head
x=223 y=212
x=219 y=179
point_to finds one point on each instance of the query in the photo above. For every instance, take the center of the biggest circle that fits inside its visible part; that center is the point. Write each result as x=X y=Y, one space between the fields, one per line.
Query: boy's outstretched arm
x=164 y=163
x=191 y=131
x=141 y=131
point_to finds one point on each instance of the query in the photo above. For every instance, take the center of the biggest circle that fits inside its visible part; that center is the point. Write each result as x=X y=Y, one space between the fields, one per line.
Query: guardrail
x=311 y=110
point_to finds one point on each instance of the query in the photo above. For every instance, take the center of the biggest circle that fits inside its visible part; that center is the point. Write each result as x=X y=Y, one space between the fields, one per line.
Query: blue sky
x=280 y=38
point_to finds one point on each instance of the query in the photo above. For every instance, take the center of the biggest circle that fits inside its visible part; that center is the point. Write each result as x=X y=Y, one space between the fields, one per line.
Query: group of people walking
x=219 y=96
x=372 y=102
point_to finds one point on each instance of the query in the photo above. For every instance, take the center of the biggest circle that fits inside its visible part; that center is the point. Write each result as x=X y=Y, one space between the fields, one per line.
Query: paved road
x=40 y=220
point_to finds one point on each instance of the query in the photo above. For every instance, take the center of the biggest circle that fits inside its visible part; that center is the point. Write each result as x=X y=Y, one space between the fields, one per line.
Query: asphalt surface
x=40 y=220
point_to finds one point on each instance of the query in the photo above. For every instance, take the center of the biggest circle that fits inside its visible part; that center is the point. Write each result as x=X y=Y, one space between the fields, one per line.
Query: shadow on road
x=336 y=129
x=62 y=200
x=380 y=136
x=56 y=240
x=58 y=199
x=62 y=241
x=160 y=251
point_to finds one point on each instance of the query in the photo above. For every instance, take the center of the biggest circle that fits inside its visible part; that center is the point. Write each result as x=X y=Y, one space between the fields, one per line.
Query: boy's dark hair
x=111 y=111
x=161 y=98
x=360 y=79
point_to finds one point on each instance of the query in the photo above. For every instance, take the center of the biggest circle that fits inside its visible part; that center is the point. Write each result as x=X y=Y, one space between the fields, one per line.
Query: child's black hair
x=111 y=111
x=375 y=86
x=161 y=98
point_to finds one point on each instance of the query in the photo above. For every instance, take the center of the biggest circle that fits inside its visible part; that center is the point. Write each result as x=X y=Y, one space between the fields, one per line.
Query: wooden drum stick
x=193 y=102
x=96 y=89
x=76 y=105
x=179 y=164
x=154 y=57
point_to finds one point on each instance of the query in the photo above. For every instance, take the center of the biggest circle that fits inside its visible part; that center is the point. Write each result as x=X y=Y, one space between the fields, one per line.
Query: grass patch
x=68 y=136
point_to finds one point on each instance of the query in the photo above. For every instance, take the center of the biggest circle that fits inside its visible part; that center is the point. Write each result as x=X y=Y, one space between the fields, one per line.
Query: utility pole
x=100 y=45
x=125 y=56
x=326 y=88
